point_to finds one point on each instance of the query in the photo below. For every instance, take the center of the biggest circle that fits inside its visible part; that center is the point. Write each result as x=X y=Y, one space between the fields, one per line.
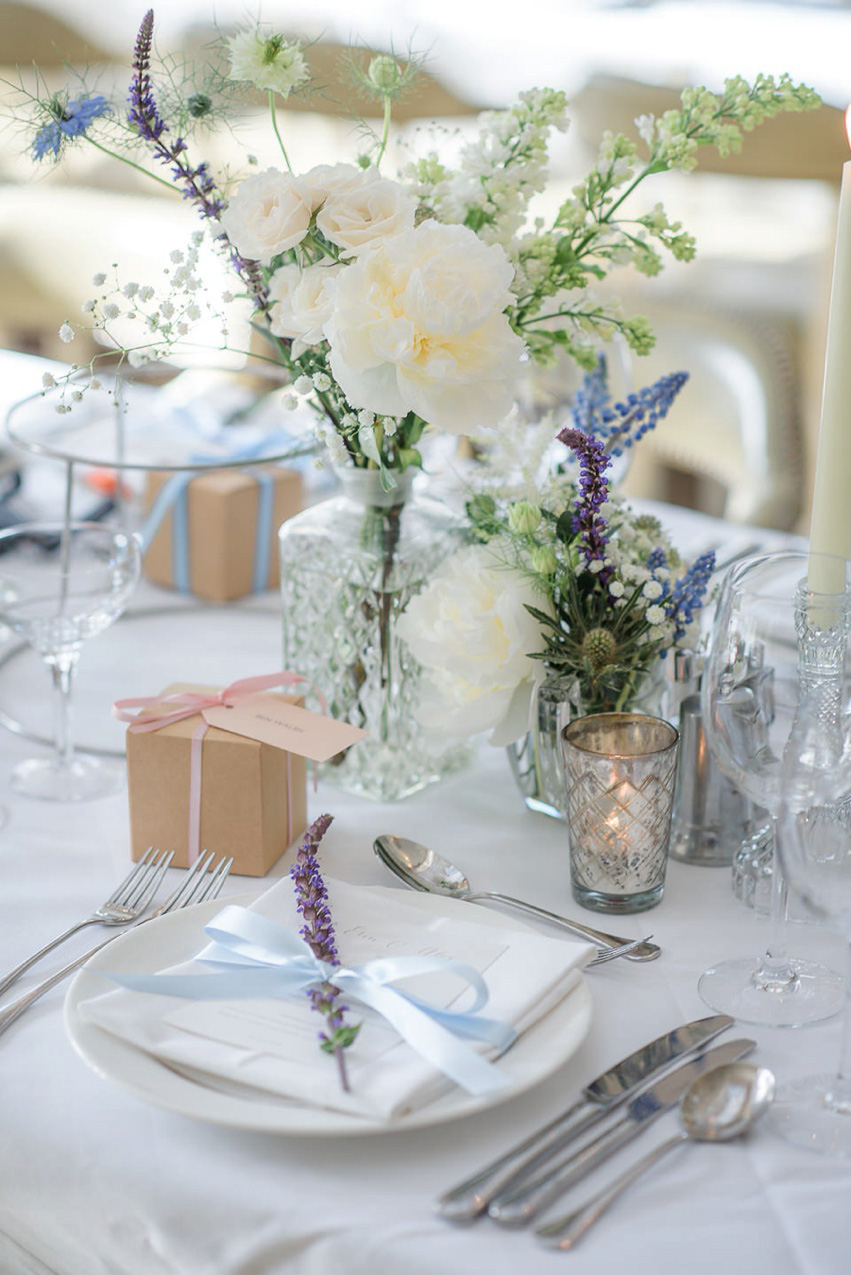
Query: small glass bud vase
x=349 y=567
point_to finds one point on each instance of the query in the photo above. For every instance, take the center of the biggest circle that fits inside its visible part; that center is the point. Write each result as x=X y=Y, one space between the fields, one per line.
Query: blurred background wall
x=746 y=319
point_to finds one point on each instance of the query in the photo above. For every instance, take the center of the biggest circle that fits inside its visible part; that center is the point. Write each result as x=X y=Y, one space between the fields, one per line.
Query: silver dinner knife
x=470 y=1198
x=525 y=1202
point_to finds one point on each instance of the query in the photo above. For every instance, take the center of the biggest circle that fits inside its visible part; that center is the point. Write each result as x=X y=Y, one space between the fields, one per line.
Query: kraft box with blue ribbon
x=214 y=534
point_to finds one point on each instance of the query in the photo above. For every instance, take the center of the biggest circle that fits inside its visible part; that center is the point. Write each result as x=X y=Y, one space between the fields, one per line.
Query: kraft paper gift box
x=229 y=522
x=253 y=802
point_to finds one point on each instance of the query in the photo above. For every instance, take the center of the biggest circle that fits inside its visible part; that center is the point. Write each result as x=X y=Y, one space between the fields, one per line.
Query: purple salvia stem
x=318 y=933
x=588 y=522
x=197 y=182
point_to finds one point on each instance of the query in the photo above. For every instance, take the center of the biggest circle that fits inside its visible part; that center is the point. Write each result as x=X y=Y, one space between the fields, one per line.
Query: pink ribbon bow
x=163 y=710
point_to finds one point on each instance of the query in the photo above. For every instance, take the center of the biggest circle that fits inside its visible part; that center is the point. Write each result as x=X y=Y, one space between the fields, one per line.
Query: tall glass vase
x=349 y=567
x=536 y=758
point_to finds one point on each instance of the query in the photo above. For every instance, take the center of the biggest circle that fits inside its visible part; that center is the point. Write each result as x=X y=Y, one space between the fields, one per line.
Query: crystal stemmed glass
x=61 y=584
x=751 y=696
x=815 y=855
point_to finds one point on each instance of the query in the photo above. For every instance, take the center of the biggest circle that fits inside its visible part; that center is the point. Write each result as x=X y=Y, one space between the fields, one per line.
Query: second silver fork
x=202 y=882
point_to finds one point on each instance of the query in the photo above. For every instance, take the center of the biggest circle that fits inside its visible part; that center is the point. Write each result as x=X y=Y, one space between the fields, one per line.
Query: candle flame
x=848 y=124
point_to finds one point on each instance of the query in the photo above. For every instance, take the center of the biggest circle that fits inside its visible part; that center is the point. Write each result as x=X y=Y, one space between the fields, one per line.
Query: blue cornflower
x=71 y=120
x=622 y=424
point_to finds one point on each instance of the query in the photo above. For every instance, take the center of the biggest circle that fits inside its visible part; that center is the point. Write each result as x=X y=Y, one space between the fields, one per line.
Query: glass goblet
x=61 y=584
x=815 y=855
x=751 y=698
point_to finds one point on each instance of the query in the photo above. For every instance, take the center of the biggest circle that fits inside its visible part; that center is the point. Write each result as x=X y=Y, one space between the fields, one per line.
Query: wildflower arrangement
x=318 y=933
x=575 y=583
x=395 y=303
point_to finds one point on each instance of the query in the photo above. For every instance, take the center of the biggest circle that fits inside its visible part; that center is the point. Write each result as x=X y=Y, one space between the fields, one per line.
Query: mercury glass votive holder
x=620 y=770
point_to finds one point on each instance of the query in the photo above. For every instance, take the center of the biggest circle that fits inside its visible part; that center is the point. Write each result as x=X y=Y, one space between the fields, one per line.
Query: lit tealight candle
x=830 y=526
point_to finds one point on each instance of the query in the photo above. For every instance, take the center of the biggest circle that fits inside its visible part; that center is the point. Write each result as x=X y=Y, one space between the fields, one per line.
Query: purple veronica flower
x=588 y=523
x=318 y=932
x=68 y=121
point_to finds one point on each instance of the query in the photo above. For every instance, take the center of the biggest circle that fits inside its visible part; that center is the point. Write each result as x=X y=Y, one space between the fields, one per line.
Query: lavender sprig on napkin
x=318 y=933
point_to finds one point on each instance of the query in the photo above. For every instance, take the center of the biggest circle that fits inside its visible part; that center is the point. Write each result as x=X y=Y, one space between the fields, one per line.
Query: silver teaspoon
x=424 y=869
x=719 y=1105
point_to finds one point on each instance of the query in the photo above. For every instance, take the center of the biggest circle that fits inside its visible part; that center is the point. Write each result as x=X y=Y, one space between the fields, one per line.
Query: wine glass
x=751 y=694
x=815 y=854
x=60 y=584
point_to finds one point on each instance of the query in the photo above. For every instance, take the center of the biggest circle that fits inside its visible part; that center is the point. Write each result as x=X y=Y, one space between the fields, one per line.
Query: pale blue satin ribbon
x=258 y=958
x=175 y=494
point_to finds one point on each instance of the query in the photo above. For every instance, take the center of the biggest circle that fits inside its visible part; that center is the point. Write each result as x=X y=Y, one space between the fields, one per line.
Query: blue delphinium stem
x=688 y=593
x=588 y=523
x=621 y=425
x=318 y=933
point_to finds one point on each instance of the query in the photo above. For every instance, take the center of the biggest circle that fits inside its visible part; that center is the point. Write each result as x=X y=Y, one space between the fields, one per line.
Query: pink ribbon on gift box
x=163 y=710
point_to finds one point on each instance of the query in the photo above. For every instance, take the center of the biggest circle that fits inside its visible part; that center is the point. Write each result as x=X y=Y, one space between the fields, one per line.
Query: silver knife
x=517 y=1207
x=470 y=1198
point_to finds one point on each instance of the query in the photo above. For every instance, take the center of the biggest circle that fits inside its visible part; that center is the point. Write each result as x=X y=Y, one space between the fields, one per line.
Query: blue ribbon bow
x=257 y=958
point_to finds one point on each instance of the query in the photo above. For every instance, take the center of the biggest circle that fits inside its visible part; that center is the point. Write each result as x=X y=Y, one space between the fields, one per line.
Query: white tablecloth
x=95 y=1182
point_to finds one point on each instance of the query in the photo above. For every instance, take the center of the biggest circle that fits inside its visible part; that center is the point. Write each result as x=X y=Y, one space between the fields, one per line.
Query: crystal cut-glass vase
x=536 y=759
x=349 y=567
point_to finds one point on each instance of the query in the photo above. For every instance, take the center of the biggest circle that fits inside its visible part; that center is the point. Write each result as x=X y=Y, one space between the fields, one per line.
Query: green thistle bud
x=599 y=647
x=384 y=73
x=524 y=518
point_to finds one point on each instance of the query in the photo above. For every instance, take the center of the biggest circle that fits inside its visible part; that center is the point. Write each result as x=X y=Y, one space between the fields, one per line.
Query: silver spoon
x=423 y=869
x=719 y=1105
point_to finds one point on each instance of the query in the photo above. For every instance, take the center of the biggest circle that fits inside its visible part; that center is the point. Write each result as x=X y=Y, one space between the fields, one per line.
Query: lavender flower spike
x=588 y=522
x=318 y=932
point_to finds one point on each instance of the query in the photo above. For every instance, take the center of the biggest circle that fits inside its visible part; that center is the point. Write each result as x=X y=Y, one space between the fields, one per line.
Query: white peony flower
x=269 y=213
x=354 y=216
x=472 y=634
x=418 y=325
x=269 y=62
x=302 y=303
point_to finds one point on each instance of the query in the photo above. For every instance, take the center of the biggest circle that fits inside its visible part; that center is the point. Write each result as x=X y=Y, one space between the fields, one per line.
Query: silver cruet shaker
x=710 y=815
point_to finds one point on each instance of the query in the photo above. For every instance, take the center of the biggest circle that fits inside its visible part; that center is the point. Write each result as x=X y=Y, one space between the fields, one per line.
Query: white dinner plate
x=171 y=939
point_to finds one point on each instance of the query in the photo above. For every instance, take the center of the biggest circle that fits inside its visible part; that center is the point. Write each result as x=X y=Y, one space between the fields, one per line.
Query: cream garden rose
x=470 y=631
x=302 y=303
x=418 y=325
x=269 y=213
x=369 y=208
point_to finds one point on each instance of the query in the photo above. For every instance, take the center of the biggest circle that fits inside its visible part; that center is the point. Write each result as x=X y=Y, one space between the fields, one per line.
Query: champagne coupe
x=815 y=854
x=60 y=584
x=751 y=697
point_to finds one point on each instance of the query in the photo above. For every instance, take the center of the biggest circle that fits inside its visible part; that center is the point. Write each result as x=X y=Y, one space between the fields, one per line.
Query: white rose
x=330 y=179
x=418 y=326
x=303 y=302
x=355 y=215
x=269 y=213
x=471 y=632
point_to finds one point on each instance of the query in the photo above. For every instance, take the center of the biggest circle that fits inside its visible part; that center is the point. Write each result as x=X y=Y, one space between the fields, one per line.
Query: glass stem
x=775 y=972
x=839 y=1094
x=62 y=668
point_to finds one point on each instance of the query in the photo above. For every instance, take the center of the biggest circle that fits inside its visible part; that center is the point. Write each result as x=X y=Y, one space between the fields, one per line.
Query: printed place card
x=297 y=730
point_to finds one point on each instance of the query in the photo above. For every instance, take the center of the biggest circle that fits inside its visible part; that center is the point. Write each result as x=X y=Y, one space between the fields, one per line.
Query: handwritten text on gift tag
x=297 y=730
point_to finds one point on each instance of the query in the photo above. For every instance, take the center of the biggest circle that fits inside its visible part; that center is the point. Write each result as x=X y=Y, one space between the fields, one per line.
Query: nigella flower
x=587 y=521
x=68 y=120
x=318 y=933
x=622 y=424
x=269 y=62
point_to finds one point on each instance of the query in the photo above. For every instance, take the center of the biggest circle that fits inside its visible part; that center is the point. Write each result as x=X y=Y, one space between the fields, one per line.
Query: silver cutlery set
x=718 y=1095
x=203 y=881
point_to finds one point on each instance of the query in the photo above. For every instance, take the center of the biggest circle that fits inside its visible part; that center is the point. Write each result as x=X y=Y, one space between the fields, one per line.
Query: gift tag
x=296 y=730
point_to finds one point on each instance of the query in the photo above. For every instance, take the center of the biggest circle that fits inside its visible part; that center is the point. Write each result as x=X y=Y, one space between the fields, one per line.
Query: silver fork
x=124 y=905
x=203 y=881
x=605 y=954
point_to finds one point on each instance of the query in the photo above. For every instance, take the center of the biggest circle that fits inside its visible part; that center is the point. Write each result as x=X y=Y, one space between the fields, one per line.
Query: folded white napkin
x=268 y=1048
